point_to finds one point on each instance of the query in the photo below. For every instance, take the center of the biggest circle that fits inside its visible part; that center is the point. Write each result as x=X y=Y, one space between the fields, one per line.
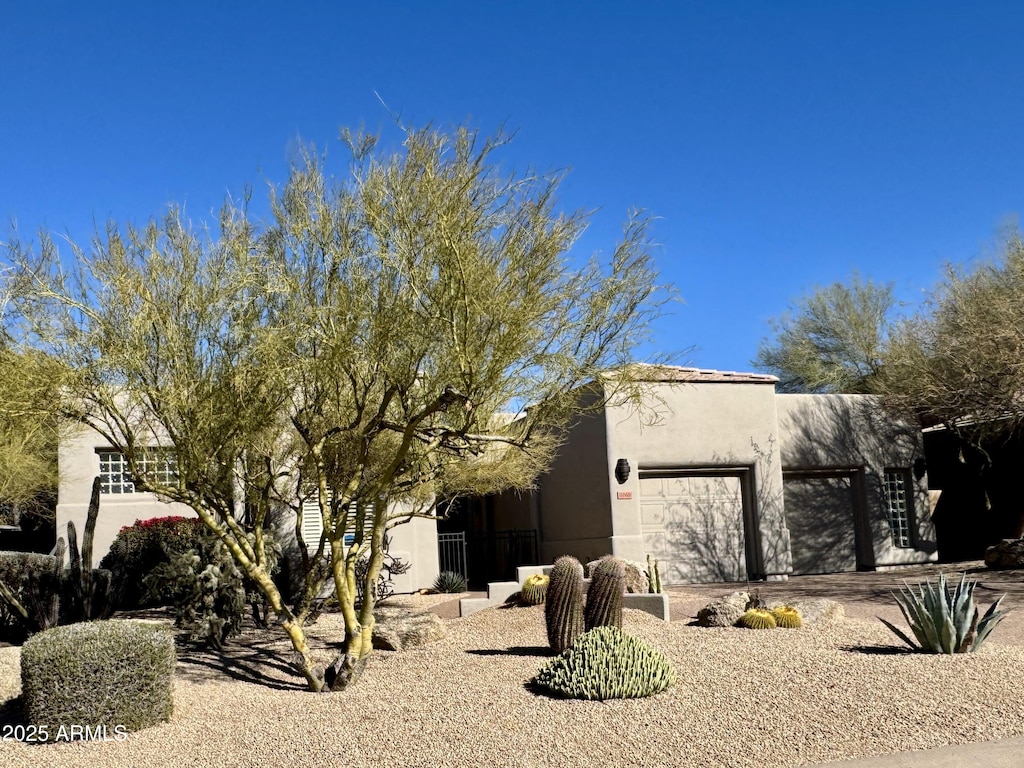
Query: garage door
x=693 y=524
x=820 y=517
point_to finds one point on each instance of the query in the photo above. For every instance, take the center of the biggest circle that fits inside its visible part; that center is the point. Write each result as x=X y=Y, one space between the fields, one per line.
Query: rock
x=724 y=611
x=1008 y=553
x=814 y=610
x=342 y=673
x=397 y=629
x=636 y=575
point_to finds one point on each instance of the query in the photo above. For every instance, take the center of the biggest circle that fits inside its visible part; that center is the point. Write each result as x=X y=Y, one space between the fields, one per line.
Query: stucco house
x=84 y=455
x=720 y=479
x=714 y=474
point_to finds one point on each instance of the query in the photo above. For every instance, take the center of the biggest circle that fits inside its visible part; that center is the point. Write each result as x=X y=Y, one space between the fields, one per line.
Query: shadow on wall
x=730 y=525
x=835 y=454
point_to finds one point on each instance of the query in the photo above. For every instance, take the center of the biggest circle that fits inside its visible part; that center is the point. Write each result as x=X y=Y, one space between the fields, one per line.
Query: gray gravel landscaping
x=743 y=698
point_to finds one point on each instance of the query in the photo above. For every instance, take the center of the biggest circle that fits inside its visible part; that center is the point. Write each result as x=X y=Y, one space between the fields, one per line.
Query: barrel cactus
x=756 y=618
x=604 y=598
x=606 y=663
x=563 y=606
x=787 y=617
x=534 y=589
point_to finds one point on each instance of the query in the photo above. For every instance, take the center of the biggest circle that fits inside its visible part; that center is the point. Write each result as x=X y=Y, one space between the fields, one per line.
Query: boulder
x=1008 y=553
x=636 y=575
x=397 y=629
x=814 y=610
x=724 y=611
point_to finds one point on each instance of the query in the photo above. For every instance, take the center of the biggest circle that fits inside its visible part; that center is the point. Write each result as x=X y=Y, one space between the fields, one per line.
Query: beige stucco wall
x=414 y=542
x=852 y=431
x=78 y=463
x=700 y=425
x=573 y=506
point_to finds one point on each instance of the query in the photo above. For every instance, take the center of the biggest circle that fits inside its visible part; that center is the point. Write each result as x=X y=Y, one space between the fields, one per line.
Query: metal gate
x=451 y=553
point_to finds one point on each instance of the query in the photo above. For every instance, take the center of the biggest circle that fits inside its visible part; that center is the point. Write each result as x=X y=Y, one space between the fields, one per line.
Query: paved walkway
x=1007 y=753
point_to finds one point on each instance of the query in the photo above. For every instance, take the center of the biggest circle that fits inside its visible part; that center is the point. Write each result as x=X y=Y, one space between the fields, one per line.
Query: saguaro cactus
x=563 y=608
x=604 y=599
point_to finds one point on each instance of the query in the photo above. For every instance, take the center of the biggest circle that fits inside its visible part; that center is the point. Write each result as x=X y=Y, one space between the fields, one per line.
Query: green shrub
x=450 y=581
x=606 y=663
x=102 y=673
x=139 y=548
x=945 y=621
x=32 y=581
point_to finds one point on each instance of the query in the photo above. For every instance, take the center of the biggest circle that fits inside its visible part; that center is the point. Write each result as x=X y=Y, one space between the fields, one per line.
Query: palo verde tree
x=833 y=340
x=412 y=331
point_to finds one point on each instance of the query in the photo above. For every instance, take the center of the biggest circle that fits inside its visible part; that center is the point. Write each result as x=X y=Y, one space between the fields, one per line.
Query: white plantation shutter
x=312 y=523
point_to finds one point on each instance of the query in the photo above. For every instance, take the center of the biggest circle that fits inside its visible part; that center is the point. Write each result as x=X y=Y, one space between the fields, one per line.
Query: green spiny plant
x=787 y=617
x=945 y=621
x=563 y=607
x=604 y=598
x=450 y=581
x=112 y=673
x=756 y=618
x=534 y=589
x=606 y=663
x=653 y=577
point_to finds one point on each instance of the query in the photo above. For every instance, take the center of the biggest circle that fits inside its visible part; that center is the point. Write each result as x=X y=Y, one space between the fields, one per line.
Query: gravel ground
x=780 y=698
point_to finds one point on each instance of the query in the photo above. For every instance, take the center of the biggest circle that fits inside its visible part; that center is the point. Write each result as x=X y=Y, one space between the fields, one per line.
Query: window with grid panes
x=899 y=506
x=158 y=465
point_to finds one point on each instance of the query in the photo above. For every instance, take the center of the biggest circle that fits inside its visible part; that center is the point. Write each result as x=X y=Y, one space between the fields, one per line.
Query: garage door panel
x=693 y=524
x=820 y=518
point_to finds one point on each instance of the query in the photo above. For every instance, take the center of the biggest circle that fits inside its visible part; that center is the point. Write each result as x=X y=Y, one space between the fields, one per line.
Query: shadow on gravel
x=253 y=662
x=12 y=712
x=516 y=650
x=877 y=650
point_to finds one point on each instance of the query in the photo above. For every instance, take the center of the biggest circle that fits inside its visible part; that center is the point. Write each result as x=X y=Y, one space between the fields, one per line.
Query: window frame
x=898 y=497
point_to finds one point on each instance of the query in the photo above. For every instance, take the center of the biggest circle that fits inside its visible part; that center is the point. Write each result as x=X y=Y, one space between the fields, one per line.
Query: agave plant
x=450 y=581
x=945 y=621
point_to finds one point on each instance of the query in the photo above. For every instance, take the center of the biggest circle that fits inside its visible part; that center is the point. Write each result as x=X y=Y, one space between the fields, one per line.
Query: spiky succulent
x=756 y=618
x=945 y=621
x=450 y=581
x=606 y=663
x=653 y=577
x=787 y=617
x=604 y=598
x=563 y=606
x=534 y=589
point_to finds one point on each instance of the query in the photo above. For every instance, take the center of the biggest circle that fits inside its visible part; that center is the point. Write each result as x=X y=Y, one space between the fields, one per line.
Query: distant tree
x=960 y=361
x=28 y=439
x=412 y=332
x=833 y=340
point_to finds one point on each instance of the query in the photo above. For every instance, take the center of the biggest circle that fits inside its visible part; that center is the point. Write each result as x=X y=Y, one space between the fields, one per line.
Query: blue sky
x=781 y=144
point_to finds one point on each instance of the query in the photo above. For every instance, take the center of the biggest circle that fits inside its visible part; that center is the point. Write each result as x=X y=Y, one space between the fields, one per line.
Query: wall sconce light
x=622 y=471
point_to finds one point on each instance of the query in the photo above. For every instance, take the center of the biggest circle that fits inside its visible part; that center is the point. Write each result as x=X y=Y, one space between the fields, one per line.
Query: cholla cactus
x=563 y=607
x=606 y=663
x=534 y=589
x=604 y=598
x=756 y=618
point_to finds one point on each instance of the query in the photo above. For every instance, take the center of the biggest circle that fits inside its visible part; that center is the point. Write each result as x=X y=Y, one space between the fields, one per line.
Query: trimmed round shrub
x=139 y=548
x=606 y=663
x=116 y=674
